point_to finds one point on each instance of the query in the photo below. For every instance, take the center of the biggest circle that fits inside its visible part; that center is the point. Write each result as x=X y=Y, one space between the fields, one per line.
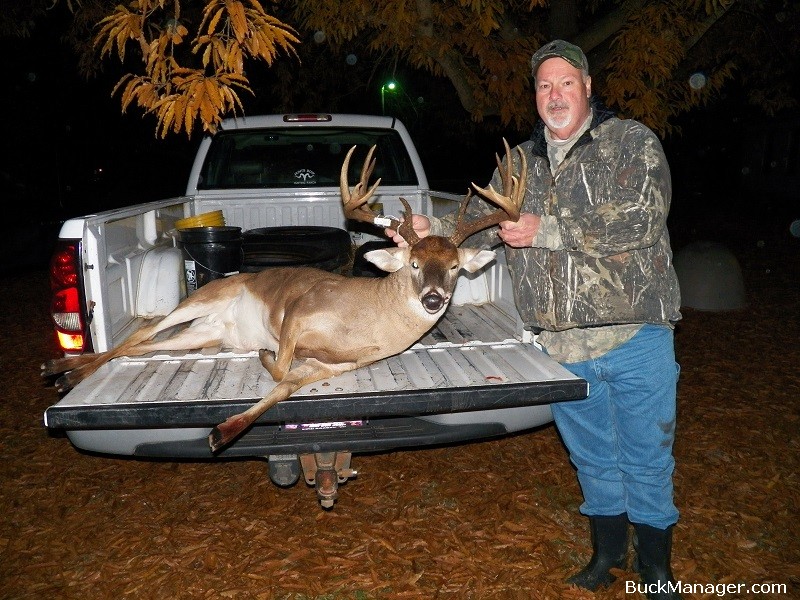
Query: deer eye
x=414 y=264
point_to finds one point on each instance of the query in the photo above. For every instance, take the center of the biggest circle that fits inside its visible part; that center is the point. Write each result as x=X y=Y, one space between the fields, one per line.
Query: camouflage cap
x=561 y=49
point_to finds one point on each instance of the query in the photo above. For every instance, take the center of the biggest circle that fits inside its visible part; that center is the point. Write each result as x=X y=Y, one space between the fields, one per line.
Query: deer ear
x=473 y=259
x=388 y=259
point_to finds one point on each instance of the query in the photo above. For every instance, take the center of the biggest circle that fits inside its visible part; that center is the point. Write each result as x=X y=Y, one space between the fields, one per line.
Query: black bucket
x=210 y=253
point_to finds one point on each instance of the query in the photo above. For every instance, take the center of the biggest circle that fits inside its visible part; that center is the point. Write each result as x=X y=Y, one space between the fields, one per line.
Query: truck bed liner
x=449 y=370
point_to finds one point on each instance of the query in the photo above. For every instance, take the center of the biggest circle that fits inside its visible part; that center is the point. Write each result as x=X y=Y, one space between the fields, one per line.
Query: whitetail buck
x=330 y=322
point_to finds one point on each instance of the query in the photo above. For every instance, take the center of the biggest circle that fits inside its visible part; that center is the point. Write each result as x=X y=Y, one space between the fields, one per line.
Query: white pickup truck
x=476 y=375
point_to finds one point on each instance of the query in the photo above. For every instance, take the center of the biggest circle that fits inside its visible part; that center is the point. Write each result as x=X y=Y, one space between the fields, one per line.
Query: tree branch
x=450 y=61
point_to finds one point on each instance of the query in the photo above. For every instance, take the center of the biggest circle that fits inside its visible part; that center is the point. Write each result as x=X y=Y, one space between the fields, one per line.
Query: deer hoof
x=63 y=383
x=267 y=358
x=215 y=440
x=51 y=367
x=224 y=433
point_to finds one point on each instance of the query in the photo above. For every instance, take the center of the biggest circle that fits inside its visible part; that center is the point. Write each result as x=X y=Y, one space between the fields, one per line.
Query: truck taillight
x=66 y=306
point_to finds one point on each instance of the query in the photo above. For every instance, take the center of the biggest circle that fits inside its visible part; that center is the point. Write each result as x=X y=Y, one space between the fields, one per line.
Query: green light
x=391 y=86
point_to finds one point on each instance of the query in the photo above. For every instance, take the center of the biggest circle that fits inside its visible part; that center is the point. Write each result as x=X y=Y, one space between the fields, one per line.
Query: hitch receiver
x=325 y=471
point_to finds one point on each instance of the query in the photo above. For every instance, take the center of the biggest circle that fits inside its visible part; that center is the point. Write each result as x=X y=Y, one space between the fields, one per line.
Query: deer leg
x=309 y=371
x=81 y=367
x=272 y=363
x=66 y=363
x=267 y=358
x=279 y=362
x=78 y=368
x=200 y=336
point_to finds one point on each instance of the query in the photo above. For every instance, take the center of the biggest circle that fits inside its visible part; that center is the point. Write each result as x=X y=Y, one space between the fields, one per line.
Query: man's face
x=562 y=97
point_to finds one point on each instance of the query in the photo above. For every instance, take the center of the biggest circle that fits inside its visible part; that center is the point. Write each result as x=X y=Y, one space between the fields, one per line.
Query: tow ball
x=323 y=470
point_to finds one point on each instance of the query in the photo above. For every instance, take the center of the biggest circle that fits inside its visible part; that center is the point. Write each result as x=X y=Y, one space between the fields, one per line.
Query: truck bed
x=470 y=361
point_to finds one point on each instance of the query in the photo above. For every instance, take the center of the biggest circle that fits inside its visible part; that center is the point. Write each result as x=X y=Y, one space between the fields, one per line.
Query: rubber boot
x=653 y=557
x=610 y=550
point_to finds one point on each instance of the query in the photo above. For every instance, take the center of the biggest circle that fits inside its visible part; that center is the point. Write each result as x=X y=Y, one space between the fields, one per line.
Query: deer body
x=328 y=322
x=331 y=322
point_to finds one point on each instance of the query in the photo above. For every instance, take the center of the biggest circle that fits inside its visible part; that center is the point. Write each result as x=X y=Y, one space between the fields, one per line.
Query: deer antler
x=406 y=228
x=355 y=203
x=509 y=202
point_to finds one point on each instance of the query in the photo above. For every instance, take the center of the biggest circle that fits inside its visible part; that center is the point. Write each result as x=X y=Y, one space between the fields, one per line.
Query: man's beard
x=561 y=119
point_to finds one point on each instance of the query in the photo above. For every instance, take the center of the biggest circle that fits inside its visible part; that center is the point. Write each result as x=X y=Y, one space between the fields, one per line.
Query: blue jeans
x=620 y=437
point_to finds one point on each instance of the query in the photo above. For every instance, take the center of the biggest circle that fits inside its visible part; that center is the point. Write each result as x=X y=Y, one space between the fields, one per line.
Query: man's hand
x=520 y=234
x=421 y=225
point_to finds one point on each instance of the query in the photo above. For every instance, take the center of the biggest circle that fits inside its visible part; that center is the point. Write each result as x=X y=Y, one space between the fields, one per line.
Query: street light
x=391 y=86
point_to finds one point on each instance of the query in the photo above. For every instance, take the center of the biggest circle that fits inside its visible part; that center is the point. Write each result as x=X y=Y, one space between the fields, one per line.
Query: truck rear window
x=302 y=156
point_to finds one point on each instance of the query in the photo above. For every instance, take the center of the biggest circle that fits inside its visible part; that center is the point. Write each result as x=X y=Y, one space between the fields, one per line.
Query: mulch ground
x=497 y=519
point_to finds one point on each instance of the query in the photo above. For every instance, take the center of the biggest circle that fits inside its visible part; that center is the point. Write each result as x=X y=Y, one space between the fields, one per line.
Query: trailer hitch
x=325 y=471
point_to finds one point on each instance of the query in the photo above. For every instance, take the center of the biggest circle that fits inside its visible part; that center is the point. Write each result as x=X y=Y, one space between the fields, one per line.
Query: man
x=592 y=272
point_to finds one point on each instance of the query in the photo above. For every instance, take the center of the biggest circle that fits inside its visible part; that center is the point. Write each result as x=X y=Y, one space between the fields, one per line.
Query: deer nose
x=433 y=302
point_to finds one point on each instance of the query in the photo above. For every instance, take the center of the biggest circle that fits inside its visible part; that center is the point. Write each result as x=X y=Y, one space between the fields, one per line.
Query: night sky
x=70 y=151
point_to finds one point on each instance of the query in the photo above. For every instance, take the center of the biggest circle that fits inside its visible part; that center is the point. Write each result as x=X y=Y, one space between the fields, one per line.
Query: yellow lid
x=209 y=219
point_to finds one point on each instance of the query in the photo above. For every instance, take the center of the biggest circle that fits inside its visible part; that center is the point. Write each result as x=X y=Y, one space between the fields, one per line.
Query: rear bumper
x=374 y=435
x=369 y=435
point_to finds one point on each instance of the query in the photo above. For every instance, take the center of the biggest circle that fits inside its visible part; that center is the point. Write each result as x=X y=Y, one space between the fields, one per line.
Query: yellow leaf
x=237 y=19
x=212 y=92
x=212 y=25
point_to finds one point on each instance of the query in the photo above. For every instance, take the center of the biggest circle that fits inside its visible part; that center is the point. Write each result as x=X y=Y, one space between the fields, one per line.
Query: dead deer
x=329 y=322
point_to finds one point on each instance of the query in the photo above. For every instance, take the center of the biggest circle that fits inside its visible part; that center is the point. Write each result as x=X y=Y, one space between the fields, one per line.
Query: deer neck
x=398 y=301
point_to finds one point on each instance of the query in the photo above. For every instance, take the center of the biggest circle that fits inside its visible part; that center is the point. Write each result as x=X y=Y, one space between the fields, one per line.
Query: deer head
x=433 y=262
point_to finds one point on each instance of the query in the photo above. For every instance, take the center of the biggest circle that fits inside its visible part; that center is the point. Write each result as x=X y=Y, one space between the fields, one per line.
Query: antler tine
x=509 y=202
x=513 y=187
x=406 y=228
x=355 y=203
x=462 y=207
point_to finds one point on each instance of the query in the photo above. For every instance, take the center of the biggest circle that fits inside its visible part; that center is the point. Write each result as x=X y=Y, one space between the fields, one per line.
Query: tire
x=305 y=233
x=326 y=248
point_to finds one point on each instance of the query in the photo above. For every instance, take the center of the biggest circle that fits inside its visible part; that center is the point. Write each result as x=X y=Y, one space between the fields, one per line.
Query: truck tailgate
x=449 y=370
